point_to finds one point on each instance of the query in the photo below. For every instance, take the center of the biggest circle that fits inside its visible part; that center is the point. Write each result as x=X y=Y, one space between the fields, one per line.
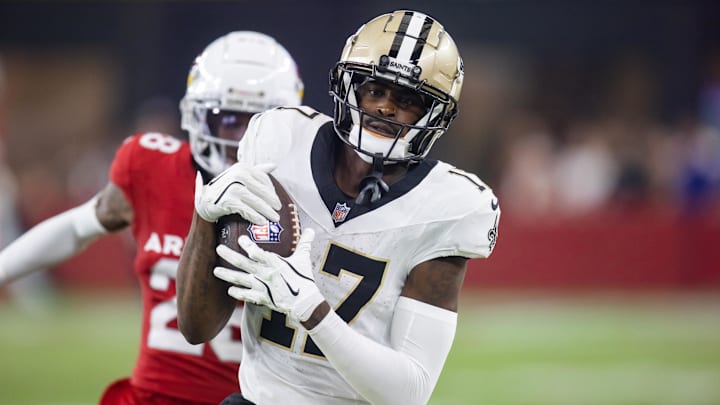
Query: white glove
x=240 y=189
x=283 y=284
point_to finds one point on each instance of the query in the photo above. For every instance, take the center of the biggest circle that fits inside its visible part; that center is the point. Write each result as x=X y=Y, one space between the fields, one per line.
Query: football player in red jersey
x=151 y=189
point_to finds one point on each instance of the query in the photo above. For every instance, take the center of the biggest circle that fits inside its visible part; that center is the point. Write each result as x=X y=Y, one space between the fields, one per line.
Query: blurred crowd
x=550 y=159
x=594 y=162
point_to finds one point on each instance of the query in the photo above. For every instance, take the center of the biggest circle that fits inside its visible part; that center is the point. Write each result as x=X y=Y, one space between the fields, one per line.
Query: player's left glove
x=283 y=284
x=240 y=189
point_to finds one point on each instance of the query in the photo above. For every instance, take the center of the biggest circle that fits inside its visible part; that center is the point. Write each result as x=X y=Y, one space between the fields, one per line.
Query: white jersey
x=361 y=256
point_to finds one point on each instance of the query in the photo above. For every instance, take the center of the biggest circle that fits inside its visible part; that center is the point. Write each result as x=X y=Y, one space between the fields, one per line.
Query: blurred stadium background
x=596 y=122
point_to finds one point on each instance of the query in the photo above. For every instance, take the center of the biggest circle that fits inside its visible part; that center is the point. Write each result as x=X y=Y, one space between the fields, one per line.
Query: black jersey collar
x=342 y=207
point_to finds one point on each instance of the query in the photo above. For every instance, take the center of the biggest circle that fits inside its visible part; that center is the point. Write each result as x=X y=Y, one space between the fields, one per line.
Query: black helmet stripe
x=411 y=36
x=400 y=34
x=424 y=32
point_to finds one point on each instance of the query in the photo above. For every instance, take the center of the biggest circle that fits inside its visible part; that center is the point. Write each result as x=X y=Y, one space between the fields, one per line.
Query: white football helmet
x=406 y=48
x=242 y=72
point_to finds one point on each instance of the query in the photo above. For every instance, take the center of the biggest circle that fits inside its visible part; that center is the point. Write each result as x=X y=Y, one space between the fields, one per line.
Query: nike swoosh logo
x=494 y=204
x=226 y=189
x=293 y=291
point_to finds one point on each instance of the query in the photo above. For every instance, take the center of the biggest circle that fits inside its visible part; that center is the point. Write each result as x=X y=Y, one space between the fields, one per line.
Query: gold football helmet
x=406 y=48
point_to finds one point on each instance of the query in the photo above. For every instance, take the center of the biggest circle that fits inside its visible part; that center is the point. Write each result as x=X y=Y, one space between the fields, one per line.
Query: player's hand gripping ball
x=277 y=237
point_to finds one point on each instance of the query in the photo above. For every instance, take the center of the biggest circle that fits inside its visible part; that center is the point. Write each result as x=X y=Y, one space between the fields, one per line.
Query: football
x=277 y=237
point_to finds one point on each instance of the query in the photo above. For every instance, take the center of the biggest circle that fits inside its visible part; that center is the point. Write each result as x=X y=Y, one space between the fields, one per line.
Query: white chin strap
x=375 y=143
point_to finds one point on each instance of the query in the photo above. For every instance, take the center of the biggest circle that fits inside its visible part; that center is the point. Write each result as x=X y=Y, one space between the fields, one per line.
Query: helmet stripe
x=400 y=34
x=420 y=44
x=411 y=36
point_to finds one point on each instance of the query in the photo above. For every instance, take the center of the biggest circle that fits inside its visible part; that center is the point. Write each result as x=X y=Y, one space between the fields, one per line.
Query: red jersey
x=157 y=176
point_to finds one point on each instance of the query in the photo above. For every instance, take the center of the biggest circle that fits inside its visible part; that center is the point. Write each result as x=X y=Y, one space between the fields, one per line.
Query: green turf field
x=510 y=349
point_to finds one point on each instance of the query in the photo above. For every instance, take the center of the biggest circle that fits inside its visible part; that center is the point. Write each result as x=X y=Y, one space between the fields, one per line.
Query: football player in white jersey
x=365 y=309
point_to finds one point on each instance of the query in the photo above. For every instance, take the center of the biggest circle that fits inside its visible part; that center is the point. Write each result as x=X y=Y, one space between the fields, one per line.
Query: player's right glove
x=283 y=284
x=240 y=189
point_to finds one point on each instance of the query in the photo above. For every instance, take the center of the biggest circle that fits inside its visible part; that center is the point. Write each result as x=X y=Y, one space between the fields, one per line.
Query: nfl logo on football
x=268 y=233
